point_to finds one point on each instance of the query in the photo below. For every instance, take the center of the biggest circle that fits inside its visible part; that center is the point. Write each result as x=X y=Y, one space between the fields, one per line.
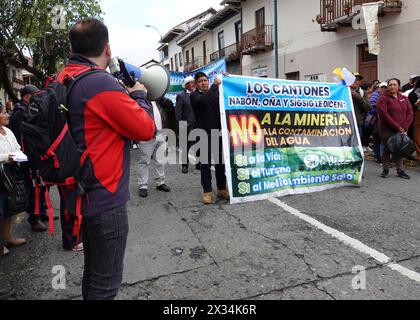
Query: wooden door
x=368 y=64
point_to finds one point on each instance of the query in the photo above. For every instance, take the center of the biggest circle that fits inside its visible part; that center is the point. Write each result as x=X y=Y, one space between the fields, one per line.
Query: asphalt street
x=179 y=248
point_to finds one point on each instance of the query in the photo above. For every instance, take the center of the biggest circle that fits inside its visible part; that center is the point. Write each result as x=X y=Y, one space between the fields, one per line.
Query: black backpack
x=54 y=158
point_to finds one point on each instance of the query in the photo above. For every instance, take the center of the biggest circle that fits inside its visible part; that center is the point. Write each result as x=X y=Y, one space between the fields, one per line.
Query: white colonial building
x=314 y=38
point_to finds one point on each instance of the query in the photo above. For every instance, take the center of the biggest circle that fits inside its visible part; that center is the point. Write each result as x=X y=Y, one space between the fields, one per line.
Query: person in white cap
x=410 y=84
x=185 y=117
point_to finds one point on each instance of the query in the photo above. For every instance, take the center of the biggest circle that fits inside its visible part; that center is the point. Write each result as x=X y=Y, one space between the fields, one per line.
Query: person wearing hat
x=410 y=84
x=358 y=83
x=185 y=117
x=16 y=119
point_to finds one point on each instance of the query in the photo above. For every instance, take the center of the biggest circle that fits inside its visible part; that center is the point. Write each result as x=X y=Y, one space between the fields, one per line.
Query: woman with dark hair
x=395 y=115
x=8 y=146
x=414 y=98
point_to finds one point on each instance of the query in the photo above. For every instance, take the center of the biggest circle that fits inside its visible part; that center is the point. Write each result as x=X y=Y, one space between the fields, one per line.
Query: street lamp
x=149 y=26
x=160 y=40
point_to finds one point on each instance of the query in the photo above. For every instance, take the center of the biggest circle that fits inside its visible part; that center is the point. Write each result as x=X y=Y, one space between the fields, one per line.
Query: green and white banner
x=287 y=137
x=212 y=70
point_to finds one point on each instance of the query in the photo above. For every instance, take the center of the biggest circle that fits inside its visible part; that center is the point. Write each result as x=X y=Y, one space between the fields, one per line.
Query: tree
x=38 y=29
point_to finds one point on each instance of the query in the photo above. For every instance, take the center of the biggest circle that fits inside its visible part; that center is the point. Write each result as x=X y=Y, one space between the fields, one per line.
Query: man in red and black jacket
x=103 y=117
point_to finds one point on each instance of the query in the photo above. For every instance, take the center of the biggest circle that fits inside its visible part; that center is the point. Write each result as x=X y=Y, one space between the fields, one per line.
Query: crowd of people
x=382 y=109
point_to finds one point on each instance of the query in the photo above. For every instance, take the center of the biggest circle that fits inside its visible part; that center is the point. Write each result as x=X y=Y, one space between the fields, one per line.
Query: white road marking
x=354 y=243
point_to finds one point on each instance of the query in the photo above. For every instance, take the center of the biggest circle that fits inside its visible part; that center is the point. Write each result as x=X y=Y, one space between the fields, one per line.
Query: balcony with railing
x=231 y=53
x=18 y=81
x=336 y=13
x=195 y=63
x=258 y=40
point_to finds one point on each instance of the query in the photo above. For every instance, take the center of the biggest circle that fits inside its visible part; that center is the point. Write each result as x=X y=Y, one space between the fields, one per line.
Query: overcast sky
x=126 y=20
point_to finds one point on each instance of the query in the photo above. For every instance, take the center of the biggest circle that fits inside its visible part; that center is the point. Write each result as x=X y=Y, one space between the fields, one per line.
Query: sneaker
x=403 y=175
x=164 y=188
x=385 y=174
x=184 y=169
x=223 y=194
x=207 y=197
x=79 y=247
x=143 y=193
x=39 y=226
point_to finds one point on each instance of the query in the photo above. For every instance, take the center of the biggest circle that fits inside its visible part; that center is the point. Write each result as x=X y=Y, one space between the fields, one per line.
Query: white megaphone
x=155 y=77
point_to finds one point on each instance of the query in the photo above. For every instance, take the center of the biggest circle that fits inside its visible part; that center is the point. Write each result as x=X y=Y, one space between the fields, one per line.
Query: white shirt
x=407 y=93
x=8 y=145
x=156 y=115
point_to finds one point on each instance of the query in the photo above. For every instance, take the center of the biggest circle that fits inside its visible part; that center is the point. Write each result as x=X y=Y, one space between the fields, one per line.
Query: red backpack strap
x=78 y=222
x=37 y=198
x=51 y=149
x=50 y=211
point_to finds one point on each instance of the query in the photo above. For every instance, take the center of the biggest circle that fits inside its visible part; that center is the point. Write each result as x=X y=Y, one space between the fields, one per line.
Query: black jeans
x=104 y=241
x=219 y=166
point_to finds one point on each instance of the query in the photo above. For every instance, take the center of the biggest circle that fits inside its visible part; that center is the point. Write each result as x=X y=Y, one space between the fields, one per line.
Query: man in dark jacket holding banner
x=205 y=103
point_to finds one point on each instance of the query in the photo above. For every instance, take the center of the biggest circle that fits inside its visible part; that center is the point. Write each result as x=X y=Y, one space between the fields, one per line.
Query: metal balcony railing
x=232 y=53
x=258 y=40
x=18 y=81
x=334 y=11
x=197 y=62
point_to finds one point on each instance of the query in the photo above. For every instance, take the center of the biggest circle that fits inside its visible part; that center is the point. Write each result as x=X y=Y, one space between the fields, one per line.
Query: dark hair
x=199 y=75
x=365 y=86
x=417 y=83
x=395 y=79
x=89 y=37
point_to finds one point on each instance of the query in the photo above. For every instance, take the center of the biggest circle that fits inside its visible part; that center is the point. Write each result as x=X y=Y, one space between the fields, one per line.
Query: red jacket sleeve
x=382 y=106
x=123 y=114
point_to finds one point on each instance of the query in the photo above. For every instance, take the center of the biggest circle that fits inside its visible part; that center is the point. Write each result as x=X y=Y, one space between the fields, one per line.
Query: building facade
x=312 y=49
x=170 y=52
x=314 y=38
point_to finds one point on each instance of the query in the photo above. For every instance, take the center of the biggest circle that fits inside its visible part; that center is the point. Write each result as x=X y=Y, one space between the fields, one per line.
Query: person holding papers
x=9 y=149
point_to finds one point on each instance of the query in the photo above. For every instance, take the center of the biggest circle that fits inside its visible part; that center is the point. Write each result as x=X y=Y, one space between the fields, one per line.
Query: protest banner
x=212 y=70
x=287 y=137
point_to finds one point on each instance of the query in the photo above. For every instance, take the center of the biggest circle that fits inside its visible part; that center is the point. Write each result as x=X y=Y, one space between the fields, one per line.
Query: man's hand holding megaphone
x=154 y=79
x=137 y=87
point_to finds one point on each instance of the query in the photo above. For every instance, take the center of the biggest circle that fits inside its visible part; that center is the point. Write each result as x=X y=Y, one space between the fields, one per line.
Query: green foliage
x=26 y=28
